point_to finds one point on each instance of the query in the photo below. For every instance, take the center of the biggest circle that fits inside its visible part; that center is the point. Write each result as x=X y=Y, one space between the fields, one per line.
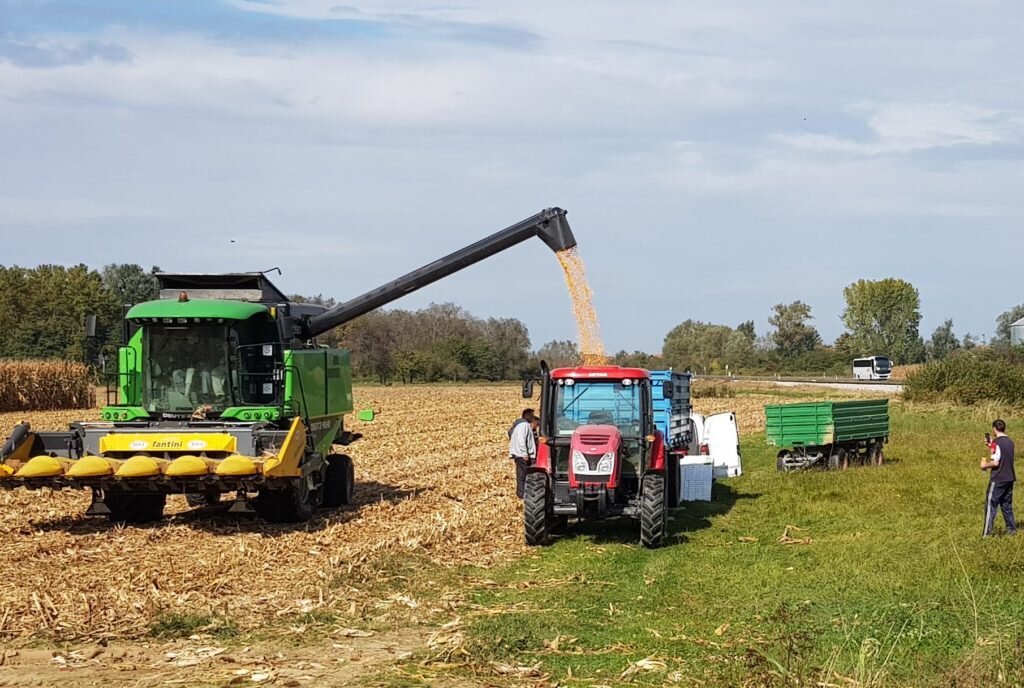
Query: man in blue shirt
x=1000 y=484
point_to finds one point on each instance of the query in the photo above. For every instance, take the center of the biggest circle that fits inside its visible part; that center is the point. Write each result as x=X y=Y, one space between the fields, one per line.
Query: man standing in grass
x=1001 y=479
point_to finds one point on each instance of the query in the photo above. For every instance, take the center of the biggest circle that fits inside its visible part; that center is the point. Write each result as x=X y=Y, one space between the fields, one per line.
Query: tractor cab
x=599 y=422
x=197 y=354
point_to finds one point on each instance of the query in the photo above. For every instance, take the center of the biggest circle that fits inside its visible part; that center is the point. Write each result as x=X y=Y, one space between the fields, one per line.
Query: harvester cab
x=612 y=440
x=222 y=387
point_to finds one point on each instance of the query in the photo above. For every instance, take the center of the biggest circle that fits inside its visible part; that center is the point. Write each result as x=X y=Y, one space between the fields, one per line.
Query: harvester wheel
x=653 y=511
x=339 y=481
x=293 y=504
x=132 y=507
x=536 y=509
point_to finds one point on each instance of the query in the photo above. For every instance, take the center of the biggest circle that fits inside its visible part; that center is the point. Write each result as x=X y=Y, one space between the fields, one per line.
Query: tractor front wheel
x=536 y=509
x=132 y=507
x=653 y=511
x=339 y=481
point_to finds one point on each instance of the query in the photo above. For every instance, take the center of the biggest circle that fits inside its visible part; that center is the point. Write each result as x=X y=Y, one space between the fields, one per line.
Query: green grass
x=895 y=588
x=176 y=625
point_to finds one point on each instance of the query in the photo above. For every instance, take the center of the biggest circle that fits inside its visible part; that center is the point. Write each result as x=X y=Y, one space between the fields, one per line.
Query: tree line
x=43 y=310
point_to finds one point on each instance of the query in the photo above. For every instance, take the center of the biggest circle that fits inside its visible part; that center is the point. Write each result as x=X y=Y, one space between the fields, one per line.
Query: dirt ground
x=345 y=661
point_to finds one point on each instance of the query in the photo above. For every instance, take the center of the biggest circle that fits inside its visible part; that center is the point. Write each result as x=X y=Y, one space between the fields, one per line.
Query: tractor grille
x=592 y=440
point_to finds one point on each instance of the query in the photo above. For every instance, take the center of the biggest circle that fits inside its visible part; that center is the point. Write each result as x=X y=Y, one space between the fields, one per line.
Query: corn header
x=222 y=388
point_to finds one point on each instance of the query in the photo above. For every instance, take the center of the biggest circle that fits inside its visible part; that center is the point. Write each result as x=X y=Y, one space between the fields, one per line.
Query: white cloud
x=908 y=127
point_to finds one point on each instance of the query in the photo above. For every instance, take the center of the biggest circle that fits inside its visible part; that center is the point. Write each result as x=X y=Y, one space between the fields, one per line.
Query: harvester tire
x=292 y=504
x=536 y=509
x=653 y=511
x=132 y=507
x=339 y=481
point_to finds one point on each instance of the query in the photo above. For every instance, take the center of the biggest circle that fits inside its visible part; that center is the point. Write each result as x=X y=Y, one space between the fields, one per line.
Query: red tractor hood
x=596 y=439
x=594 y=455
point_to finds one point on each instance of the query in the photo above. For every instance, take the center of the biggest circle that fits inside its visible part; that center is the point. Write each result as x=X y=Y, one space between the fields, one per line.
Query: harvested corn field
x=433 y=484
x=48 y=385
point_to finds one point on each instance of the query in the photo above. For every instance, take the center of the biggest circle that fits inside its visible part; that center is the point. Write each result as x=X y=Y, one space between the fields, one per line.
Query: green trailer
x=828 y=434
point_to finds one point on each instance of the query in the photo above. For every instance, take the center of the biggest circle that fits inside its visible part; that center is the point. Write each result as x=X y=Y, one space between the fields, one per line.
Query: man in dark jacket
x=1000 y=484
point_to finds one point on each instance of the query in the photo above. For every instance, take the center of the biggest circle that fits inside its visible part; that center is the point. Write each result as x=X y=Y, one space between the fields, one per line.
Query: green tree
x=706 y=347
x=748 y=330
x=560 y=353
x=884 y=318
x=43 y=312
x=793 y=335
x=943 y=342
x=1003 y=323
x=637 y=359
x=129 y=283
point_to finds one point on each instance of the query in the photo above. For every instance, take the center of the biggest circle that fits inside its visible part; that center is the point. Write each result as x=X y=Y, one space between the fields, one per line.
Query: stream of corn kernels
x=591 y=346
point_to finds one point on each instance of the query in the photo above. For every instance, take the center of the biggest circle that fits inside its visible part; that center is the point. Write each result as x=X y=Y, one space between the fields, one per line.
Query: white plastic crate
x=696 y=474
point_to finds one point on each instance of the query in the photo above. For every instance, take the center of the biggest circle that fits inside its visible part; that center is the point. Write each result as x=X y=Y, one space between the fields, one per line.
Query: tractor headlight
x=579 y=462
x=607 y=463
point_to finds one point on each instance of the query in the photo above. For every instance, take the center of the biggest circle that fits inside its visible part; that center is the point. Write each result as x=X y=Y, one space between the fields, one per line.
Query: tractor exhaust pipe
x=550 y=225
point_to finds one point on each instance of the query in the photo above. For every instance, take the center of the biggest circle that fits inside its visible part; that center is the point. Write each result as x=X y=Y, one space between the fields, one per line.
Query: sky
x=715 y=158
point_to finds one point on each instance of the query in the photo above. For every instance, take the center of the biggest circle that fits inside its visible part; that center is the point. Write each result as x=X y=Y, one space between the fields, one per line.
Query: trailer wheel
x=837 y=460
x=339 y=481
x=537 y=515
x=132 y=507
x=295 y=503
x=878 y=455
x=653 y=512
x=780 y=462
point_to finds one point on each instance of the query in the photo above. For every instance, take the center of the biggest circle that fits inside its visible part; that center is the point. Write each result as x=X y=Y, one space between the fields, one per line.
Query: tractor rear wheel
x=537 y=517
x=295 y=503
x=133 y=507
x=653 y=511
x=339 y=481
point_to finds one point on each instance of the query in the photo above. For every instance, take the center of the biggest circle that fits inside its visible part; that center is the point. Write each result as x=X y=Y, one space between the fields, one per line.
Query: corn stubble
x=587 y=325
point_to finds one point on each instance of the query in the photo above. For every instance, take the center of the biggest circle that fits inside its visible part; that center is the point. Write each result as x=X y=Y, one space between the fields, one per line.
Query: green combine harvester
x=828 y=434
x=222 y=388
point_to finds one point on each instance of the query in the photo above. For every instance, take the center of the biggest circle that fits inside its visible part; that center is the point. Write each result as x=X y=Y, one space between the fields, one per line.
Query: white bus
x=872 y=368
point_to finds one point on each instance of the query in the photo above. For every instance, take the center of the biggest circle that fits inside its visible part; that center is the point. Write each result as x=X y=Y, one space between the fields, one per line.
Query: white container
x=696 y=474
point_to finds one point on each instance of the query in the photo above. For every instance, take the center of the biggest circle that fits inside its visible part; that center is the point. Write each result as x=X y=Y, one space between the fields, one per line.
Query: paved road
x=849 y=386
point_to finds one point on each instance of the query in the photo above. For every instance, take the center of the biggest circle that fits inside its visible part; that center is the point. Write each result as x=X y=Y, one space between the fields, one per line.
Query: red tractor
x=600 y=452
